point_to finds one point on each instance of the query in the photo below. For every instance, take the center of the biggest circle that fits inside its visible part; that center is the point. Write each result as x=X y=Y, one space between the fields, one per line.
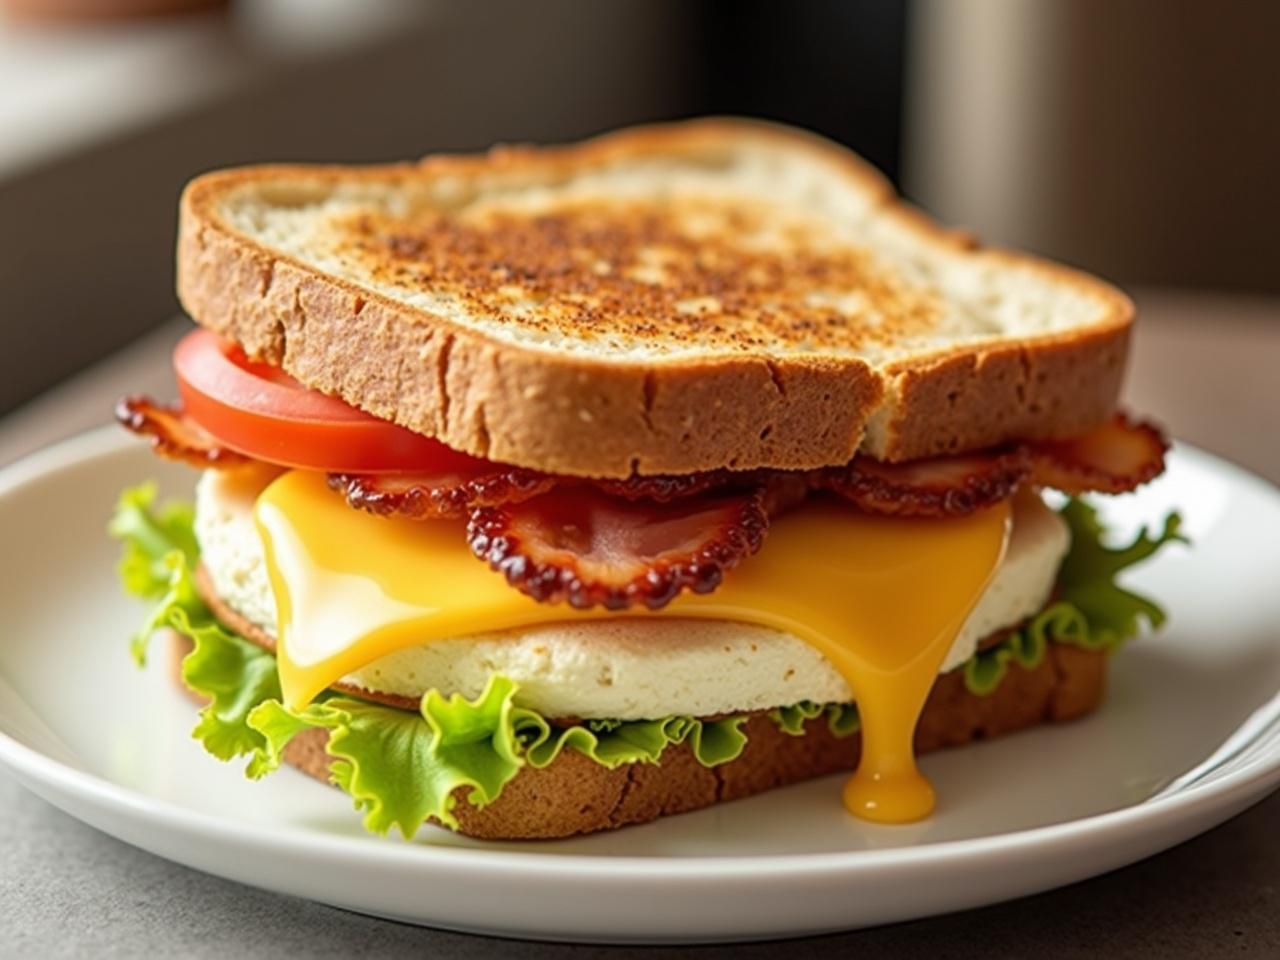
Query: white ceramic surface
x=1185 y=739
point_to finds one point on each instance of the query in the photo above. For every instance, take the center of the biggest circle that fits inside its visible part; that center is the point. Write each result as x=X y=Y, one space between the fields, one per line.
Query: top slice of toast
x=715 y=293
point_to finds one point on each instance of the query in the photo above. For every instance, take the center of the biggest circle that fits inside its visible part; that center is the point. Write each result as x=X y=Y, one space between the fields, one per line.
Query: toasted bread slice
x=661 y=300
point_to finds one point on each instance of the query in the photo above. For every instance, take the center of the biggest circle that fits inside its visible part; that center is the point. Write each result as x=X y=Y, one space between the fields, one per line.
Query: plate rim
x=1208 y=801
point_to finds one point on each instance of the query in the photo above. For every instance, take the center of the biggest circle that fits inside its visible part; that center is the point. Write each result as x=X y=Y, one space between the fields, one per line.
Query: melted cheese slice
x=881 y=597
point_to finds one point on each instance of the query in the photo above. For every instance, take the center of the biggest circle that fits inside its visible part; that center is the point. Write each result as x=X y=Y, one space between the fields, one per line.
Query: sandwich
x=553 y=490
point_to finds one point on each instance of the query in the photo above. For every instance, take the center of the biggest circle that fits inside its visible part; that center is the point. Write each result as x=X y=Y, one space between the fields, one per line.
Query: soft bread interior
x=624 y=668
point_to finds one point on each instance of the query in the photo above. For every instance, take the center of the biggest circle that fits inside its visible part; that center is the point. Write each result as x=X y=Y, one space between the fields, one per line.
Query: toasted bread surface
x=575 y=795
x=659 y=300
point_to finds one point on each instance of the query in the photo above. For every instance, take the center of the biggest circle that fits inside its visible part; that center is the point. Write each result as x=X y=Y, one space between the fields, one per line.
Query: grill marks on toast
x=659 y=274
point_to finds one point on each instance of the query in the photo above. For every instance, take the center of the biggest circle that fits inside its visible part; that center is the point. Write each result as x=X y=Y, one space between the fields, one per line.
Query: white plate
x=84 y=729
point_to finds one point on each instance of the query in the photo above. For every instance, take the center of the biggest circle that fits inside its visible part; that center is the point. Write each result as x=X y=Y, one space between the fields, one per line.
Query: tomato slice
x=261 y=411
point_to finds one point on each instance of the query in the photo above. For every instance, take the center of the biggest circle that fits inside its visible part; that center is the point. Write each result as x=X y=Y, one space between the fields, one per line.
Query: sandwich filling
x=623 y=668
x=405 y=767
x=350 y=588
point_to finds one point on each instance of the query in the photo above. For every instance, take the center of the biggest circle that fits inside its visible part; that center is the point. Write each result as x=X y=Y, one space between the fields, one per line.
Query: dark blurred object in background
x=834 y=66
x=1137 y=139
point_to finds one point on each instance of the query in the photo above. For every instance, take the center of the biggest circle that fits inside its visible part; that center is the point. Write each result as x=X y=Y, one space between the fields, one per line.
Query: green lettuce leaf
x=1087 y=577
x=233 y=675
x=395 y=766
x=149 y=534
x=1059 y=623
x=617 y=742
x=842 y=718
x=1092 y=610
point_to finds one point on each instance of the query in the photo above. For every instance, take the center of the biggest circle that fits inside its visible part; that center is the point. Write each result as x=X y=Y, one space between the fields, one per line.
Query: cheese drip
x=881 y=597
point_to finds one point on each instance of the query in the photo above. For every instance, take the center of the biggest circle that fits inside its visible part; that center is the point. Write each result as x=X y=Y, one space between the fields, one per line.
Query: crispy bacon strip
x=173 y=434
x=941 y=487
x=426 y=496
x=578 y=545
x=1118 y=456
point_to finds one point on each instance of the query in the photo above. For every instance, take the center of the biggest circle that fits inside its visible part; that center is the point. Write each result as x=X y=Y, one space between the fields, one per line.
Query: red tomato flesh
x=261 y=411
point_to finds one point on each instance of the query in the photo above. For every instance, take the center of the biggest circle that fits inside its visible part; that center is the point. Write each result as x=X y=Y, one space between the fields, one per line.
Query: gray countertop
x=1210 y=367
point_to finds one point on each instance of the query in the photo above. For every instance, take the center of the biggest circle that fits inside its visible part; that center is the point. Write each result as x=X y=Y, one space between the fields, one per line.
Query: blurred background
x=1135 y=138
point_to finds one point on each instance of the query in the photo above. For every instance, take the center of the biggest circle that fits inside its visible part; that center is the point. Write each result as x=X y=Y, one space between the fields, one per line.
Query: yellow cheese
x=881 y=597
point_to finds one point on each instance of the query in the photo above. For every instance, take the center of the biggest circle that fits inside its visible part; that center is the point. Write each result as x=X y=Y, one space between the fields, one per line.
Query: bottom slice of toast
x=574 y=794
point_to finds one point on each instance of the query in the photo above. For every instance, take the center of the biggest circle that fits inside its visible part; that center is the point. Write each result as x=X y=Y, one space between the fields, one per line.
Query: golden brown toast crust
x=742 y=404
x=574 y=795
